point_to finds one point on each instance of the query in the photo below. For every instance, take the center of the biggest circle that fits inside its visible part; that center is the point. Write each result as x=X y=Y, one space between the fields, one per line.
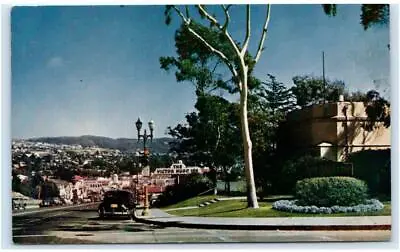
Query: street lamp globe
x=151 y=125
x=138 y=124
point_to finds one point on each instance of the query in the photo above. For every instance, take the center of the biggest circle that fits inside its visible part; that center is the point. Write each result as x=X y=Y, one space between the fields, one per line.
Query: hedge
x=331 y=191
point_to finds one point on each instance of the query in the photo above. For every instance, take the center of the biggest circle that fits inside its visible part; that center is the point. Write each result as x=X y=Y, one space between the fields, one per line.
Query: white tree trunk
x=251 y=188
x=247 y=145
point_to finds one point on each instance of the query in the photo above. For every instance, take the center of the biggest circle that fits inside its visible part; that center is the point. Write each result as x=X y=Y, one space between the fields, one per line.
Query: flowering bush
x=371 y=205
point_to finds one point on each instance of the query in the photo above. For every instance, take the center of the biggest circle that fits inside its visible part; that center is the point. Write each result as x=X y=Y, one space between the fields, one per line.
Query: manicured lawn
x=237 y=208
x=192 y=201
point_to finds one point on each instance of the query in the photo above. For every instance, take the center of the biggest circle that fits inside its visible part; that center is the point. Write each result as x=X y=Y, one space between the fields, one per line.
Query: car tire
x=101 y=212
x=132 y=214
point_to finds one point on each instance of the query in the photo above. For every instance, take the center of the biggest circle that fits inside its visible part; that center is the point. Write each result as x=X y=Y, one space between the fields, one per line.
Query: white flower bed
x=371 y=205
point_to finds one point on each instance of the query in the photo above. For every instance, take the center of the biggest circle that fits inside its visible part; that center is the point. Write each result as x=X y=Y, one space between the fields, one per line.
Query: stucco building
x=332 y=130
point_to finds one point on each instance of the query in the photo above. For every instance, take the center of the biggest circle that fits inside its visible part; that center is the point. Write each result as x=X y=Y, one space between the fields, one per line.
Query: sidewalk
x=159 y=217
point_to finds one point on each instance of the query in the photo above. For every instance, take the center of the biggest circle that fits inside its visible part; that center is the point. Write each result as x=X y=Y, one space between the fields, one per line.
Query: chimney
x=341 y=98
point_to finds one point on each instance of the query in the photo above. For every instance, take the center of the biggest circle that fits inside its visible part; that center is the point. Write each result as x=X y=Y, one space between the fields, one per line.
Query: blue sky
x=95 y=70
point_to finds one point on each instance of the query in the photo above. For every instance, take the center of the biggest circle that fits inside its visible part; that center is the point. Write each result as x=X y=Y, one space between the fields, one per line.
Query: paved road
x=81 y=226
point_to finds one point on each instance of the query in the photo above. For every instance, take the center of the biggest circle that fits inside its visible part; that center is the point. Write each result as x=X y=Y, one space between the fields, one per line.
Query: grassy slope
x=237 y=208
x=192 y=201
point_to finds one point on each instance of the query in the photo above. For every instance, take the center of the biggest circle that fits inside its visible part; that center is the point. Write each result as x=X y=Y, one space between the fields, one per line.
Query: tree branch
x=215 y=67
x=248 y=31
x=184 y=19
x=264 y=34
x=187 y=11
x=214 y=50
x=208 y=16
x=222 y=28
x=227 y=16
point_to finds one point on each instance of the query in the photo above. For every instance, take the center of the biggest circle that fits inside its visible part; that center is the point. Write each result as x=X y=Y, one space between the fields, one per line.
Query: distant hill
x=158 y=145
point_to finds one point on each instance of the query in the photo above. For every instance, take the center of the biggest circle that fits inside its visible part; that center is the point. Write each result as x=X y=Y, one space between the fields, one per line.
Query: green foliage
x=210 y=135
x=371 y=14
x=268 y=105
x=189 y=186
x=377 y=109
x=275 y=97
x=312 y=90
x=196 y=63
x=308 y=166
x=373 y=166
x=159 y=161
x=329 y=9
x=331 y=191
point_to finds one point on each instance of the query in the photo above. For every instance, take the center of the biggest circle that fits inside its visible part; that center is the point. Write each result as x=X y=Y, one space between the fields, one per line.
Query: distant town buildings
x=30 y=158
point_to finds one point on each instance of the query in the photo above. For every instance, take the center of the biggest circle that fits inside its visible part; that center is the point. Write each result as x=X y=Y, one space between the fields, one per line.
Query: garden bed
x=372 y=205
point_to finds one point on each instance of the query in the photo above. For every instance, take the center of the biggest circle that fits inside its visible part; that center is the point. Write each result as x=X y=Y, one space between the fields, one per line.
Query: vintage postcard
x=200 y=124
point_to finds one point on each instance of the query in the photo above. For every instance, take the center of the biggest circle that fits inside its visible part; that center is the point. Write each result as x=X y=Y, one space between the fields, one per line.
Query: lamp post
x=145 y=137
x=137 y=164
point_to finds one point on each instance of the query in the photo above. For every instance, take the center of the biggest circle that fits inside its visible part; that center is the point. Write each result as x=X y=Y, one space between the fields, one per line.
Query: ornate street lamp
x=145 y=136
x=137 y=166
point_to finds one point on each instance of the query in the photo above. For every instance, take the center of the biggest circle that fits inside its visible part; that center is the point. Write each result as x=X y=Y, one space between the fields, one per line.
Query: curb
x=264 y=227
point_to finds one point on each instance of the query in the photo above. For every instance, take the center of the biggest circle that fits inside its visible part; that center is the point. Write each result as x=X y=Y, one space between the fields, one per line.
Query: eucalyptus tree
x=239 y=63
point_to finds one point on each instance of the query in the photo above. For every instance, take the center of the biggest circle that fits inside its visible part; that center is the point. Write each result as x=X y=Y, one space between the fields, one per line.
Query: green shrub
x=331 y=191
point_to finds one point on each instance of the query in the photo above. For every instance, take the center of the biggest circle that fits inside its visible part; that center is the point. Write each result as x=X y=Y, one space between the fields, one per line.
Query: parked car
x=117 y=203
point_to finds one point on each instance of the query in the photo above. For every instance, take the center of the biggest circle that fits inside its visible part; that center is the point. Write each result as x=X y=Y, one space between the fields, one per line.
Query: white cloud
x=55 y=62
